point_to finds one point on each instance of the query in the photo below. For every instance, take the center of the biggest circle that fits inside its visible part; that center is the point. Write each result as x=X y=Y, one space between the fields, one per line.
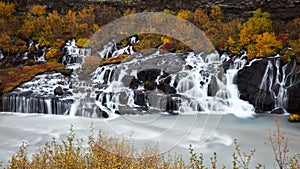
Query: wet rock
x=248 y=81
x=172 y=105
x=263 y=92
x=134 y=84
x=104 y=114
x=150 y=75
x=213 y=86
x=150 y=85
x=140 y=99
x=166 y=87
x=65 y=71
x=278 y=110
x=293 y=104
x=58 y=91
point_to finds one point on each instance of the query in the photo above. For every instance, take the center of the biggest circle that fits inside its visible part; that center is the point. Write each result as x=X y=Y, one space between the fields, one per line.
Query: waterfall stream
x=158 y=82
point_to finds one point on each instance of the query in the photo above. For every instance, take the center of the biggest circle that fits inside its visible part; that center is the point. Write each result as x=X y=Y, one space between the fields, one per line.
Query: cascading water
x=1 y=55
x=173 y=83
x=277 y=79
x=37 y=96
x=74 y=56
x=155 y=83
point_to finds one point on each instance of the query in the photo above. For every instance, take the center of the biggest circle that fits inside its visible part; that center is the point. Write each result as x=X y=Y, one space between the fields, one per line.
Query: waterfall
x=171 y=83
x=73 y=55
x=37 y=96
x=29 y=104
x=1 y=55
x=277 y=79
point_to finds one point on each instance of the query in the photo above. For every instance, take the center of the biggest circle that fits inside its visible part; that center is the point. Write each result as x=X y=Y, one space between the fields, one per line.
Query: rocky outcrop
x=148 y=79
x=58 y=91
x=270 y=83
x=294 y=97
x=249 y=80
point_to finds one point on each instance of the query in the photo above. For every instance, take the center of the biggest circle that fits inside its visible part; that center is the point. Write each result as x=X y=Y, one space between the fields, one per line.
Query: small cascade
x=276 y=80
x=172 y=83
x=28 y=104
x=37 y=96
x=40 y=57
x=112 y=50
x=74 y=56
x=1 y=55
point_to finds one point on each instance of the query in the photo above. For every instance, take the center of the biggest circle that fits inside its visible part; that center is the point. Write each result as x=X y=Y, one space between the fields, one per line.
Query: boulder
x=150 y=75
x=150 y=85
x=58 y=91
x=65 y=71
x=172 y=105
x=293 y=104
x=140 y=99
x=278 y=110
x=134 y=84
x=166 y=87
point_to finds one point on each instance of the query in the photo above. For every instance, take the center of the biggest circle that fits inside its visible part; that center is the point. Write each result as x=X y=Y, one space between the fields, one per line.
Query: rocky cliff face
x=269 y=84
x=279 y=9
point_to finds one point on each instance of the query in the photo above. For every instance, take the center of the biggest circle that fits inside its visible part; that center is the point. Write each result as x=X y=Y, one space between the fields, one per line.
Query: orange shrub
x=185 y=14
x=6 y=9
x=37 y=10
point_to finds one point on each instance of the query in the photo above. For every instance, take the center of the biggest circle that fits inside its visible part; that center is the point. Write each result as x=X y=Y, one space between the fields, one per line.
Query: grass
x=12 y=77
x=69 y=153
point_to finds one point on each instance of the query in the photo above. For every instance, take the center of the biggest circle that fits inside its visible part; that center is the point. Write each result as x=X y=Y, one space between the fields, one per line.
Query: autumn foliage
x=258 y=36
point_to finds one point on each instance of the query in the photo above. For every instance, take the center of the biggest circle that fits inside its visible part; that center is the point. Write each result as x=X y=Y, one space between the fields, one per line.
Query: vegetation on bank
x=259 y=36
x=111 y=152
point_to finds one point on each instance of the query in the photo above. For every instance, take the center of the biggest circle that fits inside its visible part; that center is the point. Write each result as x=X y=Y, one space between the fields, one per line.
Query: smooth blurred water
x=206 y=132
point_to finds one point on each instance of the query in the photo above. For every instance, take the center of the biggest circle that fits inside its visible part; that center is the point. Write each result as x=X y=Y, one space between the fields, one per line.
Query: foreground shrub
x=111 y=152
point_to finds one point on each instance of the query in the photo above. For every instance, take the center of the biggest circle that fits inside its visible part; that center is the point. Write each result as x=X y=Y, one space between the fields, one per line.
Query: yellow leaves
x=81 y=42
x=43 y=41
x=267 y=44
x=258 y=24
x=216 y=13
x=257 y=36
x=168 y=11
x=37 y=10
x=185 y=14
x=232 y=46
x=129 y=11
x=165 y=40
x=53 y=53
x=201 y=19
x=294 y=118
x=6 y=9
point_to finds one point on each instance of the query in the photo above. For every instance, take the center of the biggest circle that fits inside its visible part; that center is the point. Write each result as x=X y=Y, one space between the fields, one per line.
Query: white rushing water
x=185 y=83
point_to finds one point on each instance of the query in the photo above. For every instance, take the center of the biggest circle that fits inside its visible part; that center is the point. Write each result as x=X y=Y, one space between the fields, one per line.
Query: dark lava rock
x=140 y=99
x=172 y=105
x=165 y=86
x=151 y=75
x=293 y=104
x=150 y=85
x=105 y=115
x=65 y=71
x=248 y=80
x=58 y=91
x=278 y=110
x=134 y=84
